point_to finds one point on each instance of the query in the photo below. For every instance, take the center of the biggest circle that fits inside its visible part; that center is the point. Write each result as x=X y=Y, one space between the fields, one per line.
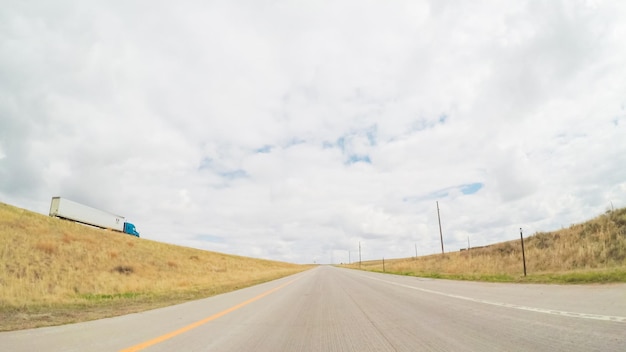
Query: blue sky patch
x=423 y=124
x=471 y=188
x=211 y=165
x=341 y=143
x=234 y=174
x=294 y=141
x=327 y=145
x=264 y=149
x=353 y=159
x=205 y=163
x=371 y=133
x=466 y=189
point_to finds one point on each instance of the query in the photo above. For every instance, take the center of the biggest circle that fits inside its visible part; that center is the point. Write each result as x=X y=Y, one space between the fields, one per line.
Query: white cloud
x=293 y=131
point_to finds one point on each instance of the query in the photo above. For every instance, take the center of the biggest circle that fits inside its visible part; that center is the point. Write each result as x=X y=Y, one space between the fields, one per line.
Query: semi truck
x=66 y=209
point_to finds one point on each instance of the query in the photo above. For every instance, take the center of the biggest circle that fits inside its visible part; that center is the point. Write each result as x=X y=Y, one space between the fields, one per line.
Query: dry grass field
x=594 y=251
x=54 y=271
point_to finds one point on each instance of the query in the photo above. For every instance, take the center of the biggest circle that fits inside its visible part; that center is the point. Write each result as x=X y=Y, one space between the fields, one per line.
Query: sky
x=297 y=130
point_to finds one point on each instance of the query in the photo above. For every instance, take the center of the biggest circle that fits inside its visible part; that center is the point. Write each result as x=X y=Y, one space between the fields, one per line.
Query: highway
x=333 y=309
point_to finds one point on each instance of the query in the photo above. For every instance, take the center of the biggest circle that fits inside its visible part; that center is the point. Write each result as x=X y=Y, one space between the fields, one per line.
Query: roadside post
x=523 y=254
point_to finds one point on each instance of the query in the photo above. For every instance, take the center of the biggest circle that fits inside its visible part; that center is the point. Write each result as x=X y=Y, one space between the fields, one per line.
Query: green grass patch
x=108 y=297
x=470 y=277
x=584 y=277
x=580 y=277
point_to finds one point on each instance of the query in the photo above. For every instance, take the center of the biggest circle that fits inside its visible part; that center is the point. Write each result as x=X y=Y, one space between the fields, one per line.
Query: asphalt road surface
x=332 y=309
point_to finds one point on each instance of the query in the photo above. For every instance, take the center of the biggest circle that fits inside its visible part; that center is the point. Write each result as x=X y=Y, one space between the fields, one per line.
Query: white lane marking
x=513 y=306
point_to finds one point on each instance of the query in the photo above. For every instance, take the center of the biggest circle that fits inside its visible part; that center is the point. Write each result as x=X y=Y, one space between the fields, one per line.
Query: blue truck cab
x=130 y=229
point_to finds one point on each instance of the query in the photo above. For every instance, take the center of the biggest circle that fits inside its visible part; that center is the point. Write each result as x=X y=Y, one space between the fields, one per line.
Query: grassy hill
x=594 y=251
x=54 y=271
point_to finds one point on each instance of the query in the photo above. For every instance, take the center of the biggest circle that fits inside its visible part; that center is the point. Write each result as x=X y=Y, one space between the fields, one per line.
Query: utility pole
x=440 y=233
x=349 y=260
x=359 y=254
x=416 y=250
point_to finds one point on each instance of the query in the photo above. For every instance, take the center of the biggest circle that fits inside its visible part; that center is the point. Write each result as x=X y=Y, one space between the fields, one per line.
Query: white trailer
x=67 y=209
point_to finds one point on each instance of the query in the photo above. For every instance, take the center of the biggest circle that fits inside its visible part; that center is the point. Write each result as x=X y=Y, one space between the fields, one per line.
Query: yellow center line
x=191 y=326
